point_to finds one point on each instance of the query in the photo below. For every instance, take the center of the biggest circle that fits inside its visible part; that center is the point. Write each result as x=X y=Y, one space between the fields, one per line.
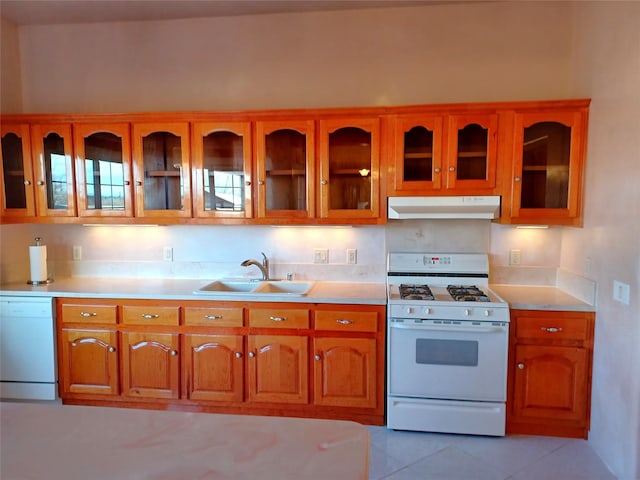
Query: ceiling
x=50 y=12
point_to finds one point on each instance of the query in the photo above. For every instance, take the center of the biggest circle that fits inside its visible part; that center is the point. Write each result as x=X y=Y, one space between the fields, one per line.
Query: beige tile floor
x=397 y=455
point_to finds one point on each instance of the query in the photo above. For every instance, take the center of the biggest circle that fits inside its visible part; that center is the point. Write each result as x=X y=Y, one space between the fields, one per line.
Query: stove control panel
x=449 y=312
x=440 y=260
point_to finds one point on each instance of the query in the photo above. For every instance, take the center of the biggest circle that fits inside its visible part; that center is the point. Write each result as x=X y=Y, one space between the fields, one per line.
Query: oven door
x=466 y=361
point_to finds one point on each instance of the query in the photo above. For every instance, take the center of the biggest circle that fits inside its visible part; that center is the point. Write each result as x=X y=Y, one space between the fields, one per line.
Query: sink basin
x=265 y=288
x=283 y=288
x=227 y=286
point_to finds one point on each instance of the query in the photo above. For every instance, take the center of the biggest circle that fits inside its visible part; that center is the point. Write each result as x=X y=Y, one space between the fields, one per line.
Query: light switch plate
x=167 y=254
x=515 y=256
x=320 y=255
x=621 y=292
x=352 y=256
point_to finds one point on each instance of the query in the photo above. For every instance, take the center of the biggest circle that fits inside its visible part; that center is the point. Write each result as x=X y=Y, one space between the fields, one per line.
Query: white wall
x=607 y=69
x=439 y=53
x=10 y=71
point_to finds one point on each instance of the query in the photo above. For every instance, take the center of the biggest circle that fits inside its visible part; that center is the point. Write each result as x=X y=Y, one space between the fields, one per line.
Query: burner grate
x=467 y=293
x=415 y=292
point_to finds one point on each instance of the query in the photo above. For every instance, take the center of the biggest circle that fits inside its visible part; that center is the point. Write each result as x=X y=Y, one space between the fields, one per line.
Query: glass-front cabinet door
x=548 y=167
x=285 y=164
x=103 y=169
x=418 y=155
x=350 y=168
x=53 y=170
x=222 y=169
x=161 y=169
x=17 y=172
x=471 y=152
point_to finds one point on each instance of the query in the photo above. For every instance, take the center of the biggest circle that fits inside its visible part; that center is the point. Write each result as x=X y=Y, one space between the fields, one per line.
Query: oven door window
x=447 y=352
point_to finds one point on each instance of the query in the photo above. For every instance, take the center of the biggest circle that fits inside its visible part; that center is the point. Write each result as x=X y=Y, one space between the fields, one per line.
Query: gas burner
x=467 y=293
x=415 y=292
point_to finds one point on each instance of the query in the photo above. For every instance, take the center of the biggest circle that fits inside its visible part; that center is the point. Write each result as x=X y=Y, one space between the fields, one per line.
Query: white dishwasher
x=27 y=348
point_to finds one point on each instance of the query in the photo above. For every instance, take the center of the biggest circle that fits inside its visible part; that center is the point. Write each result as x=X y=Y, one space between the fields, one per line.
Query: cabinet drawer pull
x=149 y=316
x=278 y=319
x=88 y=314
x=213 y=317
x=112 y=349
x=521 y=366
x=343 y=321
x=551 y=329
x=238 y=355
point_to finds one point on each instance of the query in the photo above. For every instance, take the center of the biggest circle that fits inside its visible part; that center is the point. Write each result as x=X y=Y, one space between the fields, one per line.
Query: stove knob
x=409 y=310
x=427 y=311
x=487 y=313
x=467 y=312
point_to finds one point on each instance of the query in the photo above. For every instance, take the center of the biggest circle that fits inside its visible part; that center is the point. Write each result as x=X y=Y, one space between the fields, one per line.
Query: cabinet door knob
x=247 y=183
x=521 y=366
x=252 y=354
x=138 y=183
x=27 y=182
x=323 y=182
x=452 y=169
x=437 y=170
x=260 y=182
x=127 y=182
x=317 y=357
x=517 y=179
x=112 y=349
x=238 y=355
x=40 y=182
x=174 y=353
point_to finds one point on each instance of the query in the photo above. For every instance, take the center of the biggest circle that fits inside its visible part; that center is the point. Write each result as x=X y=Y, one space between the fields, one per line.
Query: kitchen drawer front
x=347 y=321
x=89 y=313
x=552 y=328
x=279 y=318
x=150 y=315
x=213 y=316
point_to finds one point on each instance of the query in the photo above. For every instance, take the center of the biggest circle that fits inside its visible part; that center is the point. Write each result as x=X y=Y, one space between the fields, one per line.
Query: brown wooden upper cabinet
x=17 y=171
x=161 y=169
x=350 y=168
x=222 y=169
x=445 y=154
x=103 y=169
x=547 y=163
x=285 y=164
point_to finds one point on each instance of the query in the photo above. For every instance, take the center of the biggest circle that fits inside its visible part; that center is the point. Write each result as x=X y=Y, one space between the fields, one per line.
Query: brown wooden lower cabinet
x=294 y=359
x=550 y=367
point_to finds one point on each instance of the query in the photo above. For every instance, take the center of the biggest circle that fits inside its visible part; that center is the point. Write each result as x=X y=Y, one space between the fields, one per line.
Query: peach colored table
x=47 y=441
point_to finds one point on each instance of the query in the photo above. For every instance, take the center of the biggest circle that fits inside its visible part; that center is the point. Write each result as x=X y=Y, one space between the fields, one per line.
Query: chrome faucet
x=264 y=266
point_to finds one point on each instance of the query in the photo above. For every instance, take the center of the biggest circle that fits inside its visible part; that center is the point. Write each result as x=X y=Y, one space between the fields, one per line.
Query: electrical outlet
x=515 y=256
x=77 y=252
x=352 y=256
x=167 y=254
x=320 y=255
x=621 y=292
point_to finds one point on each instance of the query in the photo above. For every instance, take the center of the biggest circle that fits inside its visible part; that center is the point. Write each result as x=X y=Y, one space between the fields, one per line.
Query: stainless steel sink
x=258 y=289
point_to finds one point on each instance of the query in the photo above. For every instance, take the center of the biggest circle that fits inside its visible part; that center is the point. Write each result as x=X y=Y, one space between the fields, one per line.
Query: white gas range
x=447 y=345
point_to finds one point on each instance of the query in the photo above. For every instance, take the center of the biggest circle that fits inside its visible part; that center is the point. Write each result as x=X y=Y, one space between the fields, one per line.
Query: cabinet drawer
x=347 y=321
x=552 y=328
x=89 y=314
x=213 y=317
x=150 y=315
x=279 y=318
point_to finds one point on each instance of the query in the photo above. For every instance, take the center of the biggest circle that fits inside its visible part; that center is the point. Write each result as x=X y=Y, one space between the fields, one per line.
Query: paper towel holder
x=39 y=282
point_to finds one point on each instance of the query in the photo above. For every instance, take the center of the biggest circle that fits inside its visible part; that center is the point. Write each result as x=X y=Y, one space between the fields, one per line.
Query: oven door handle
x=450 y=329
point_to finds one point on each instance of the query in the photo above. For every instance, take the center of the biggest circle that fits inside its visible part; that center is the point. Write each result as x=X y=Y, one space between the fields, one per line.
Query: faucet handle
x=265 y=260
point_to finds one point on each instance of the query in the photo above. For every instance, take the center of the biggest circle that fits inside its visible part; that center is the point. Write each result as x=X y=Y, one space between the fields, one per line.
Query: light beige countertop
x=182 y=289
x=535 y=297
x=71 y=442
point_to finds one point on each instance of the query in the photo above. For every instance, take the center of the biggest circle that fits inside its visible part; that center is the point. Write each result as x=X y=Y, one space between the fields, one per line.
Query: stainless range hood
x=444 y=207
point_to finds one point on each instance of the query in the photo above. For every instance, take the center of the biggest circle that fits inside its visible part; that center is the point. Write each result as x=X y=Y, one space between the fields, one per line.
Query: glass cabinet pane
x=163 y=176
x=286 y=170
x=223 y=168
x=350 y=169
x=545 y=165
x=13 y=165
x=55 y=170
x=104 y=172
x=418 y=155
x=471 y=163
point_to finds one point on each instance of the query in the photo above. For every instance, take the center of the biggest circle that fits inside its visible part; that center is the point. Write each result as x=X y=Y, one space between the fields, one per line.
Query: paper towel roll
x=38 y=262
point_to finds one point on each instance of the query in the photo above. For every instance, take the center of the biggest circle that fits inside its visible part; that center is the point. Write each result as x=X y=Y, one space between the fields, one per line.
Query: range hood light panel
x=442 y=207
